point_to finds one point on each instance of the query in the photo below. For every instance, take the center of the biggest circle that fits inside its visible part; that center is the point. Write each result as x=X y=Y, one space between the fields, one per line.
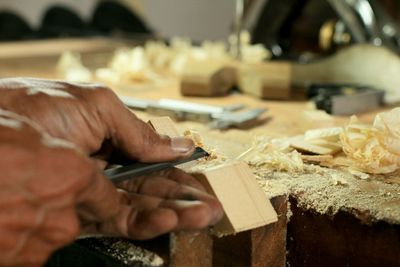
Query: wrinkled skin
x=52 y=188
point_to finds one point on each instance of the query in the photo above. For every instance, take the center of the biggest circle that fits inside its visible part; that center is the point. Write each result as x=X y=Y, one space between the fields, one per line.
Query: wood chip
x=300 y=144
x=316 y=158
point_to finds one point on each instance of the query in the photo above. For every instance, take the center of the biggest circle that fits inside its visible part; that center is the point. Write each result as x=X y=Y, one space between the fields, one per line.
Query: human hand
x=90 y=116
x=49 y=190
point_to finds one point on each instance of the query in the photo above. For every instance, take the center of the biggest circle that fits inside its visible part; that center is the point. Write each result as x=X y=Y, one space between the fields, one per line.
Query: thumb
x=139 y=141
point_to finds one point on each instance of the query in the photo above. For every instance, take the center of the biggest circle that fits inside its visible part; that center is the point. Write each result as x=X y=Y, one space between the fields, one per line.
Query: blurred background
x=283 y=26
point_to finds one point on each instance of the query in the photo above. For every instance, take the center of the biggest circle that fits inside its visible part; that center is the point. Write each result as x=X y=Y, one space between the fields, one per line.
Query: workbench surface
x=370 y=201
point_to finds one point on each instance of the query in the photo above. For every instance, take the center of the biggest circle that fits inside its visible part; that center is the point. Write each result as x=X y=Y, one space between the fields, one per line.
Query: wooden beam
x=191 y=249
x=261 y=247
x=268 y=243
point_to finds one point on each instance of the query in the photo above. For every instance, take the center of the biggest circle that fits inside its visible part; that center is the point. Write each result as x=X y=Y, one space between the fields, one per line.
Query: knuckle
x=102 y=94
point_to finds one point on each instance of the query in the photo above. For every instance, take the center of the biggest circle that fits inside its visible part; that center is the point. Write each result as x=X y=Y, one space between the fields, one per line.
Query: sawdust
x=282 y=171
x=329 y=190
x=124 y=251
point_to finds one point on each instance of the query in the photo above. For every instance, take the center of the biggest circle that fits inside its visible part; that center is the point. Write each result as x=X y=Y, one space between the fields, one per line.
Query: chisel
x=123 y=173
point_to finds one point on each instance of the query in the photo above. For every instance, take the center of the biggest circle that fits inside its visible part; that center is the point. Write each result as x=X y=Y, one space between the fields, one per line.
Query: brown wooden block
x=268 y=243
x=263 y=246
x=191 y=249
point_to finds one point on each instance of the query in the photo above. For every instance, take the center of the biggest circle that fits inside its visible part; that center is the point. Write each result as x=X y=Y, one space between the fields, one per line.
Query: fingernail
x=182 y=145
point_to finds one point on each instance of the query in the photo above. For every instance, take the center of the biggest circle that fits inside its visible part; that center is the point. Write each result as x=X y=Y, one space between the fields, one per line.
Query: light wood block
x=245 y=204
x=202 y=79
x=269 y=80
x=165 y=126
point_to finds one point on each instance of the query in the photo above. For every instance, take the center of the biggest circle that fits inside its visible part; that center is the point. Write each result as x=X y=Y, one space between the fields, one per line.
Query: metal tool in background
x=367 y=21
x=218 y=117
x=345 y=99
x=238 y=24
x=123 y=173
x=355 y=21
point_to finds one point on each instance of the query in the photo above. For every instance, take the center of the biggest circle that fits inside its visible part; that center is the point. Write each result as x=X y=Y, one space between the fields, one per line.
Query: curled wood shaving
x=273 y=154
x=70 y=68
x=373 y=148
x=214 y=156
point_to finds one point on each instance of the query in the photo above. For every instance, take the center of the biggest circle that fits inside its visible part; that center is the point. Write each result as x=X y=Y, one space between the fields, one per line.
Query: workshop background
x=296 y=101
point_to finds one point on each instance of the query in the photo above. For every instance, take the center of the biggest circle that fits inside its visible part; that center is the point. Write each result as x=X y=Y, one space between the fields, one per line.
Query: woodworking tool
x=368 y=22
x=345 y=99
x=127 y=172
x=239 y=12
x=218 y=117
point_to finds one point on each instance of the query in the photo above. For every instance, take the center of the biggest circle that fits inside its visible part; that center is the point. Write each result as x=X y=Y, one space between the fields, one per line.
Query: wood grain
x=191 y=249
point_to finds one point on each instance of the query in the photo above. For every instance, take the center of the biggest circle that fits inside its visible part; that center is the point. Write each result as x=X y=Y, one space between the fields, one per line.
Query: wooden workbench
x=357 y=225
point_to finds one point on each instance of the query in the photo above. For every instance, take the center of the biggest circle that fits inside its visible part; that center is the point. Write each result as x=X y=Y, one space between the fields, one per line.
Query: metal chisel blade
x=123 y=173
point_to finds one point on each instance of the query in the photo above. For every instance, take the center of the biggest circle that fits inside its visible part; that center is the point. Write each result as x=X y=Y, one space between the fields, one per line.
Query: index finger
x=131 y=135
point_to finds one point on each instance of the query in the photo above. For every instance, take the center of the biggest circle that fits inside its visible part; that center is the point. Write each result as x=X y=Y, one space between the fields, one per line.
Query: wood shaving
x=373 y=148
x=70 y=68
x=315 y=146
x=273 y=154
x=317 y=158
x=215 y=156
x=331 y=134
x=156 y=63
x=359 y=174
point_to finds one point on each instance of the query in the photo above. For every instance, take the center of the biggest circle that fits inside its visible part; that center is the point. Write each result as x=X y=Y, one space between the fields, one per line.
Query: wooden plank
x=55 y=47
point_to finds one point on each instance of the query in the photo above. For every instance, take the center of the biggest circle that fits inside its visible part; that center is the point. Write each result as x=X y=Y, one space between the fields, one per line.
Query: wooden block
x=245 y=204
x=270 y=80
x=261 y=247
x=165 y=126
x=208 y=80
x=268 y=243
x=191 y=249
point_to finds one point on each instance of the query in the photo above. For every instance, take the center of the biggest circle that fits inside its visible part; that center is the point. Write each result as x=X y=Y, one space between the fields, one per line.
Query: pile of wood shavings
x=374 y=148
x=273 y=154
